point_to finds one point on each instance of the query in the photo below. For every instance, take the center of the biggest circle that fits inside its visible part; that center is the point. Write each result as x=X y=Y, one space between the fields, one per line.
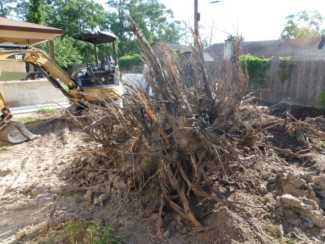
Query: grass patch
x=25 y=119
x=46 y=110
x=77 y=231
x=4 y=149
x=277 y=236
x=80 y=231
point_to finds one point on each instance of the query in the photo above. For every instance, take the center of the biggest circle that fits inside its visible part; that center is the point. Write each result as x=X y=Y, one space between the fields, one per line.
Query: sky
x=255 y=20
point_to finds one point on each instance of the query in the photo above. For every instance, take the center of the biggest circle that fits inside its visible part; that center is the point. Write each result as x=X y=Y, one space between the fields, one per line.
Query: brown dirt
x=35 y=193
x=30 y=184
x=48 y=181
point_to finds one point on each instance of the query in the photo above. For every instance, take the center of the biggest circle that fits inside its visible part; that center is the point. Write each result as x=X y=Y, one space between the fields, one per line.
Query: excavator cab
x=101 y=73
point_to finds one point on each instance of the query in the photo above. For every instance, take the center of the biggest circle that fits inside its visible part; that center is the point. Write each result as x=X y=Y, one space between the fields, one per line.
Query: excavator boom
x=12 y=131
x=89 y=85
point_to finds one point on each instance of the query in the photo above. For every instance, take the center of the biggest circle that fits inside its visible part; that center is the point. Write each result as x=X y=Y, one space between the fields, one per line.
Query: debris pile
x=302 y=196
x=180 y=142
x=89 y=172
x=197 y=149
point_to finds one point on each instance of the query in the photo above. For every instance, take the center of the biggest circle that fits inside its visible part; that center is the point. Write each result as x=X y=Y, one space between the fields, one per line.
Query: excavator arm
x=76 y=93
x=15 y=132
x=28 y=54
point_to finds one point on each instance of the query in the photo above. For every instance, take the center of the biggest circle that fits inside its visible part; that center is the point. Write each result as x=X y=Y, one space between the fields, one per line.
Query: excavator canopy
x=96 y=37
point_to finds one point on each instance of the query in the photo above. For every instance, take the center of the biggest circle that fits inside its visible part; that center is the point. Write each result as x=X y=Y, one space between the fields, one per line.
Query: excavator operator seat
x=91 y=76
x=105 y=64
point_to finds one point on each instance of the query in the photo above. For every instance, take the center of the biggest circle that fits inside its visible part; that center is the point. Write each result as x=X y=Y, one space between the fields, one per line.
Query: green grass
x=46 y=110
x=25 y=119
x=77 y=231
x=29 y=118
x=80 y=231
x=4 y=149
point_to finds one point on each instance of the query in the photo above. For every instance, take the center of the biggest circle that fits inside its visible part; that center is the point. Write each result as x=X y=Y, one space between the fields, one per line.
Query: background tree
x=77 y=16
x=36 y=13
x=6 y=7
x=153 y=18
x=74 y=17
x=68 y=53
x=303 y=24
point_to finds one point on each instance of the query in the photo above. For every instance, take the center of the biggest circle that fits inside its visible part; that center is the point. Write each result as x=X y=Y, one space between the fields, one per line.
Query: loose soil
x=36 y=194
x=46 y=182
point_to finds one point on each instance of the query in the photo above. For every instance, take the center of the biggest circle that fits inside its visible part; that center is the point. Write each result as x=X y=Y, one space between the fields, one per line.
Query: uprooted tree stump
x=173 y=147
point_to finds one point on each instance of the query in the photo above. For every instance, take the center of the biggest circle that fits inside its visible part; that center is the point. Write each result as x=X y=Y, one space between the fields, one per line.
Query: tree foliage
x=78 y=16
x=6 y=7
x=67 y=53
x=303 y=24
x=129 y=62
x=74 y=17
x=36 y=13
x=152 y=17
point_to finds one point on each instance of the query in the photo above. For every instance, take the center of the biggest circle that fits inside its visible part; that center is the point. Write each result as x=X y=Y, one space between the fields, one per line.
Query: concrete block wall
x=30 y=92
x=21 y=93
x=11 y=66
x=12 y=71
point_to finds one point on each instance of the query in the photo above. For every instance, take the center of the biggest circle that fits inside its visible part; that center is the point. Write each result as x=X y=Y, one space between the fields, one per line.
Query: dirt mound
x=194 y=153
x=193 y=163
x=42 y=187
x=275 y=194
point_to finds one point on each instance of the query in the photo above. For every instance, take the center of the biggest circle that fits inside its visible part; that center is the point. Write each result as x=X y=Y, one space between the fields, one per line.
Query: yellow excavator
x=89 y=83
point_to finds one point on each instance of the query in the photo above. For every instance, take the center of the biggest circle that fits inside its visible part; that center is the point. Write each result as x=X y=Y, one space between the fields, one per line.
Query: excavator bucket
x=16 y=132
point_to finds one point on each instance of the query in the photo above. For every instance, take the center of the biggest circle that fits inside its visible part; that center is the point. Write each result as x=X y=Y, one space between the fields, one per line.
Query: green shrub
x=322 y=99
x=66 y=53
x=130 y=62
x=285 y=68
x=256 y=67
